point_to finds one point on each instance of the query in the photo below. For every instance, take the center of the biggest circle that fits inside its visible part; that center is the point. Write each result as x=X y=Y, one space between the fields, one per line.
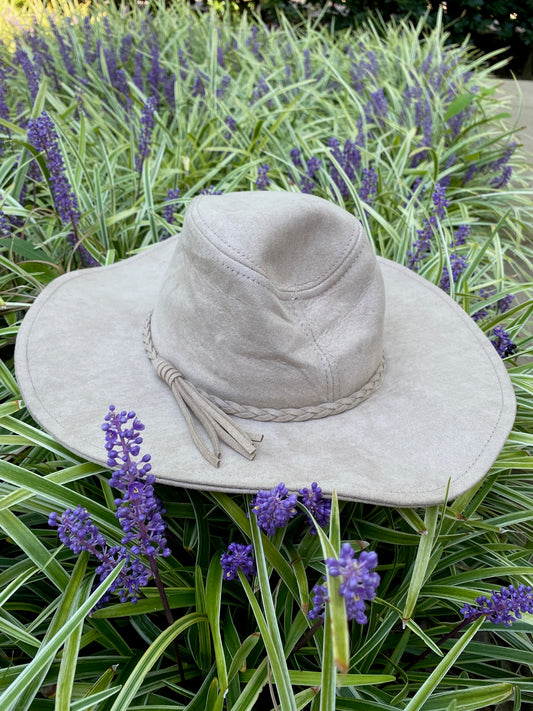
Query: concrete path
x=520 y=94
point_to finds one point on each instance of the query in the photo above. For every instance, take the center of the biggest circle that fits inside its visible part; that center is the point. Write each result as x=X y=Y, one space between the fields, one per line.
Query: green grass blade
x=47 y=652
x=151 y=656
x=33 y=548
x=470 y=699
x=420 y=568
x=268 y=624
x=213 y=596
x=436 y=676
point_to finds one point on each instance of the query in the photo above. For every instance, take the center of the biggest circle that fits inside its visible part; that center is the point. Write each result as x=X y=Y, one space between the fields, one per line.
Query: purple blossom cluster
x=30 y=70
x=348 y=159
x=307 y=181
x=503 y=607
x=500 y=306
x=458 y=264
x=317 y=505
x=499 y=167
x=344 y=167
x=139 y=512
x=369 y=185
x=262 y=182
x=376 y=108
x=358 y=585
x=502 y=341
x=170 y=209
x=211 y=190
x=43 y=137
x=77 y=531
x=238 y=556
x=364 y=70
x=145 y=136
x=275 y=508
x=5 y=226
x=422 y=246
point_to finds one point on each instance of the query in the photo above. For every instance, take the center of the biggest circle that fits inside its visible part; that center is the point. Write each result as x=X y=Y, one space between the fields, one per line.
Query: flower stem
x=168 y=612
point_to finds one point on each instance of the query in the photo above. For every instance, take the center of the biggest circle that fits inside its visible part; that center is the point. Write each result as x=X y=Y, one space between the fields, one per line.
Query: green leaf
x=420 y=568
x=436 y=676
x=336 y=624
x=204 y=640
x=47 y=652
x=150 y=658
x=33 y=548
x=458 y=104
x=91 y=703
x=239 y=659
x=268 y=624
x=470 y=699
x=177 y=598
x=213 y=597
x=24 y=249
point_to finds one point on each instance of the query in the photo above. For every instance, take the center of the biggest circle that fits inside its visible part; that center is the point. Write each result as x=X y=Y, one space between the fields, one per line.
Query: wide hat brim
x=432 y=430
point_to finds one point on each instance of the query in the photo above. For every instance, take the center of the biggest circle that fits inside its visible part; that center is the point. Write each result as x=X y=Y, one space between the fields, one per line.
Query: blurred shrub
x=492 y=25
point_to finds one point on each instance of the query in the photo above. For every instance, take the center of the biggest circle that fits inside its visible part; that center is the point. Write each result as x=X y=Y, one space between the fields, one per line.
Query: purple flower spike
x=503 y=607
x=79 y=533
x=262 y=182
x=458 y=265
x=296 y=157
x=369 y=185
x=145 y=137
x=359 y=583
x=501 y=340
x=320 y=597
x=139 y=510
x=76 y=530
x=319 y=507
x=43 y=137
x=170 y=209
x=238 y=556
x=440 y=201
x=274 y=508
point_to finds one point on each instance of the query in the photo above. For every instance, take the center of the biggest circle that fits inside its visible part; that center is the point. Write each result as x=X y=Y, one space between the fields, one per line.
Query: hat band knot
x=212 y=412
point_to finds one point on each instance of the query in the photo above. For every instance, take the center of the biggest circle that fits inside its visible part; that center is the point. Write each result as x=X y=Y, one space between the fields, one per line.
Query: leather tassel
x=217 y=424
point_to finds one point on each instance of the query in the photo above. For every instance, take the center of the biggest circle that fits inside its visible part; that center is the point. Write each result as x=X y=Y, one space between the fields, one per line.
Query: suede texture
x=258 y=308
x=274 y=299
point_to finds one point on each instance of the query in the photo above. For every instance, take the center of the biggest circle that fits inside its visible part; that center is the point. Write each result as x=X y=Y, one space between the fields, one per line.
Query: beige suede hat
x=271 y=313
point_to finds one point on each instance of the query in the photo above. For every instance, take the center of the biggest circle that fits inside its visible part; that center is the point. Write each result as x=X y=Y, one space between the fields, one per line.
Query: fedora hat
x=267 y=342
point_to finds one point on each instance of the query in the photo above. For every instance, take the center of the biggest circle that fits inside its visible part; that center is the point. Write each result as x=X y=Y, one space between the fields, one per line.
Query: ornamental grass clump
x=111 y=122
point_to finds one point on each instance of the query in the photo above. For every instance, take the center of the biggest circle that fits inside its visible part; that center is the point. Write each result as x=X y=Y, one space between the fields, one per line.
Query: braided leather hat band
x=211 y=411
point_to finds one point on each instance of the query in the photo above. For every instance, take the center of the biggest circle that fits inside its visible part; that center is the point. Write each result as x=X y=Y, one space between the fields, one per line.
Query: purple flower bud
x=319 y=507
x=274 y=508
x=262 y=182
x=502 y=341
x=319 y=598
x=359 y=583
x=145 y=136
x=458 y=264
x=503 y=607
x=238 y=556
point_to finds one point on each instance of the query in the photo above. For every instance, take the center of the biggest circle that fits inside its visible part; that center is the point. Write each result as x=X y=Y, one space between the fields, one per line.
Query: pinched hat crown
x=273 y=300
